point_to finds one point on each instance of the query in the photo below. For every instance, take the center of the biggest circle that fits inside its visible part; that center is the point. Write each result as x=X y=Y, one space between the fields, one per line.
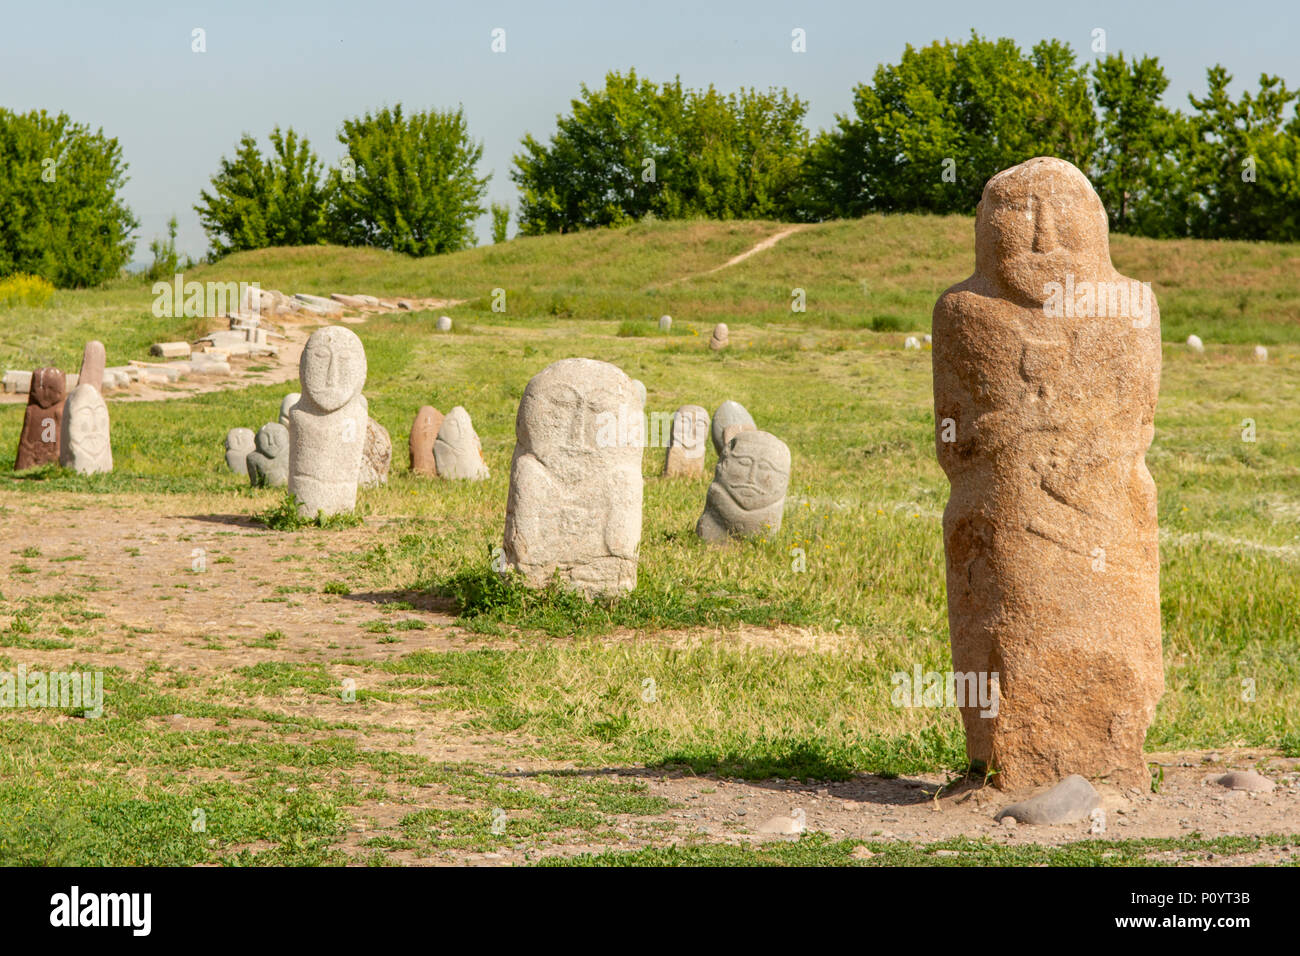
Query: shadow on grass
x=405 y=600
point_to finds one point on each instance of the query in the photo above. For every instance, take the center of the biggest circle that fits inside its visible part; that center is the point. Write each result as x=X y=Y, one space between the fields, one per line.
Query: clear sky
x=127 y=65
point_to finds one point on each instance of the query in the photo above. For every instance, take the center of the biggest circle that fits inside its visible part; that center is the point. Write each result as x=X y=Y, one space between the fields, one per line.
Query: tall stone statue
x=86 y=447
x=327 y=428
x=38 y=444
x=574 y=507
x=1046 y=370
x=93 y=359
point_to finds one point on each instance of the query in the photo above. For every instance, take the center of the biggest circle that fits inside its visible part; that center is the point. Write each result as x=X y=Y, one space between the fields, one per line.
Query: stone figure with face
x=747 y=495
x=457 y=452
x=424 y=432
x=86 y=447
x=327 y=428
x=38 y=443
x=268 y=464
x=687 y=442
x=239 y=443
x=1046 y=372
x=574 y=507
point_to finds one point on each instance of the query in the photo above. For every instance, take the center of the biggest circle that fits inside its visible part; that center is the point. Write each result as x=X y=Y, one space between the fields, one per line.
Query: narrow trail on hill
x=759 y=246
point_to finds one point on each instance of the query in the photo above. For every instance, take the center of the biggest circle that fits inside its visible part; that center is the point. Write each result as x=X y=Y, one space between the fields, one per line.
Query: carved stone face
x=86 y=421
x=47 y=388
x=333 y=367
x=559 y=420
x=691 y=430
x=457 y=432
x=239 y=439
x=273 y=440
x=1037 y=223
x=755 y=469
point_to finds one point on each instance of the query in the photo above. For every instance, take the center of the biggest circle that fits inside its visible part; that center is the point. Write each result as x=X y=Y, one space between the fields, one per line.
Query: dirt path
x=758 y=247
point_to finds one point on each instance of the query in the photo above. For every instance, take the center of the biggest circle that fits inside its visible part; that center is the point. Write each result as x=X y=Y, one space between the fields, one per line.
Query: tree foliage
x=62 y=216
x=408 y=183
x=277 y=200
x=928 y=132
x=635 y=147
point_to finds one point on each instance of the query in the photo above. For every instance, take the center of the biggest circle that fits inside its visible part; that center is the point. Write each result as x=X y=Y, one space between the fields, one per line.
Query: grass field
x=763 y=671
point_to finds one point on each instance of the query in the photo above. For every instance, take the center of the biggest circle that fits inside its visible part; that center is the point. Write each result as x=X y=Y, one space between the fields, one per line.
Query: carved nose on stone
x=1045 y=240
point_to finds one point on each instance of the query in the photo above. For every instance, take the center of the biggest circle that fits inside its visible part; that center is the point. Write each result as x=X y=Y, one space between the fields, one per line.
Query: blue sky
x=128 y=67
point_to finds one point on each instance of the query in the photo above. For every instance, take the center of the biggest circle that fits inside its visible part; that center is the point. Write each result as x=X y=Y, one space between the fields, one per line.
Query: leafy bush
x=258 y=202
x=26 y=290
x=61 y=213
x=166 y=260
x=500 y=221
x=409 y=185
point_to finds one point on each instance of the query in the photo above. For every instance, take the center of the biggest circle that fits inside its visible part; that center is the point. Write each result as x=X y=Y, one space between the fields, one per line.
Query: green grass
x=286 y=768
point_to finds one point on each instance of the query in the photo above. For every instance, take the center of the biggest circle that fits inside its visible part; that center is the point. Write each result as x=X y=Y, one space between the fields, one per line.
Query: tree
x=1244 y=161
x=927 y=133
x=635 y=147
x=62 y=216
x=1136 y=165
x=410 y=185
x=258 y=202
x=166 y=260
x=500 y=221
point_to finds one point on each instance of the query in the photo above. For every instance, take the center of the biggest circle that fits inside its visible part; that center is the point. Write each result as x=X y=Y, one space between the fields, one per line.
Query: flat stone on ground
x=1069 y=801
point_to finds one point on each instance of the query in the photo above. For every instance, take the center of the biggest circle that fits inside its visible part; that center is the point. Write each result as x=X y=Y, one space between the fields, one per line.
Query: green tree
x=62 y=215
x=928 y=132
x=1136 y=167
x=407 y=183
x=500 y=221
x=1244 y=161
x=257 y=202
x=166 y=260
x=602 y=167
x=635 y=147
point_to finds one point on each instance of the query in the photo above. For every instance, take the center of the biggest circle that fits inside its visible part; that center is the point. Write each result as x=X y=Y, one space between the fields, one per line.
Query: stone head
x=566 y=405
x=239 y=439
x=273 y=440
x=85 y=420
x=333 y=367
x=691 y=429
x=1037 y=223
x=426 y=423
x=286 y=406
x=755 y=469
x=48 y=387
x=457 y=430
